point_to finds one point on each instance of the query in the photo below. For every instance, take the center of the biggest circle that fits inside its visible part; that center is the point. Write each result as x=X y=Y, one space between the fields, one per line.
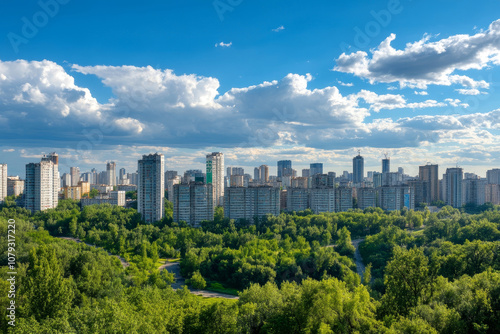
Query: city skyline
x=272 y=168
x=314 y=83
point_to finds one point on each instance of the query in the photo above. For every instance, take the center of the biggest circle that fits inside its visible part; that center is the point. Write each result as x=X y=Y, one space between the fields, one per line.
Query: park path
x=173 y=267
x=360 y=266
x=358 y=260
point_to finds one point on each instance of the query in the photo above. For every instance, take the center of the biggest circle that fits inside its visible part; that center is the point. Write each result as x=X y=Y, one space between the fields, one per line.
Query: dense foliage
x=426 y=273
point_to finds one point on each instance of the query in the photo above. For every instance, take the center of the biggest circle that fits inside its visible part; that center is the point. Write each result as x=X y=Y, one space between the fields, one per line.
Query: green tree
x=409 y=280
x=197 y=281
x=48 y=293
x=344 y=244
x=93 y=193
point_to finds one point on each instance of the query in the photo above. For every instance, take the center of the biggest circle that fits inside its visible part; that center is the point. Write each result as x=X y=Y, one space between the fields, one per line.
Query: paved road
x=175 y=268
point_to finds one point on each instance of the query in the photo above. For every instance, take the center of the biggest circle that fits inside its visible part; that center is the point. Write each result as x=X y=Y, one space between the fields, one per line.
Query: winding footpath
x=358 y=260
x=173 y=267
x=360 y=266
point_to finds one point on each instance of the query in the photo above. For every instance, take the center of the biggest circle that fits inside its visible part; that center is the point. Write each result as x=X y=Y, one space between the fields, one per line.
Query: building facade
x=42 y=184
x=3 y=182
x=386 y=165
x=193 y=202
x=454 y=178
x=15 y=186
x=367 y=198
x=248 y=203
x=111 y=198
x=429 y=173
x=111 y=173
x=315 y=168
x=75 y=176
x=151 y=187
x=358 y=169
x=215 y=176
x=282 y=165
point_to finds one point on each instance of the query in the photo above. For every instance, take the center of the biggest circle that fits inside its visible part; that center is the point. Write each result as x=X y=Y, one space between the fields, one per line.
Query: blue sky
x=260 y=81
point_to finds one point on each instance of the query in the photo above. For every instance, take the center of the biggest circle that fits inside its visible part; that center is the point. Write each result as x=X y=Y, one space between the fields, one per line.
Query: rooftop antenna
x=386 y=154
x=359 y=152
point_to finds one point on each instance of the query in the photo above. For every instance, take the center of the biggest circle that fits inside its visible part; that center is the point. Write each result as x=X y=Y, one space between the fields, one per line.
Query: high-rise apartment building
x=193 y=202
x=170 y=186
x=493 y=176
x=358 y=169
x=215 y=176
x=322 y=199
x=474 y=191
x=315 y=168
x=392 y=179
x=256 y=174
x=282 y=165
x=237 y=181
x=66 y=180
x=75 y=176
x=15 y=186
x=3 y=182
x=42 y=184
x=264 y=173
x=343 y=199
x=454 y=178
x=151 y=187
x=123 y=174
x=396 y=198
x=111 y=173
x=429 y=173
x=386 y=165
x=297 y=199
x=248 y=203
x=367 y=197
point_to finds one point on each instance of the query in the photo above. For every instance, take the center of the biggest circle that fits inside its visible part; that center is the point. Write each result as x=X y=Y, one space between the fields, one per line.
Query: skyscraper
x=42 y=184
x=215 y=176
x=111 y=170
x=123 y=174
x=256 y=174
x=151 y=187
x=264 y=173
x=493 y=176
x=75 y=175
x=358 y=168
x=454 y=178
x=282 y=164
x=315 y=168
x=386 y=165
x=3 y=181
x=66 y=180
x=429 y=173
